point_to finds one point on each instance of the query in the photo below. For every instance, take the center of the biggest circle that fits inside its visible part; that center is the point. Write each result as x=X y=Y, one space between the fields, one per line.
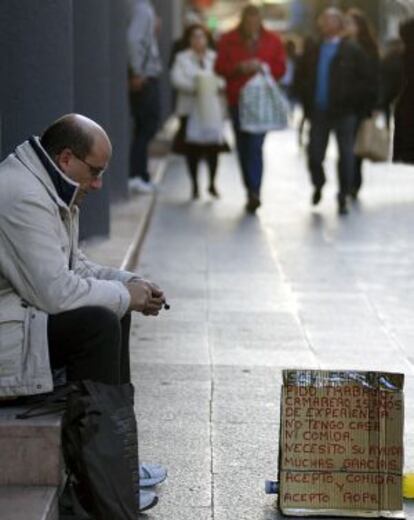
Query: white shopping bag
x=262 y=106
x=206 y=122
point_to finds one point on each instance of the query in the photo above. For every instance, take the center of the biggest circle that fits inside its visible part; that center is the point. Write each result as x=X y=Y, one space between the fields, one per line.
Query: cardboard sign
x=341 y=444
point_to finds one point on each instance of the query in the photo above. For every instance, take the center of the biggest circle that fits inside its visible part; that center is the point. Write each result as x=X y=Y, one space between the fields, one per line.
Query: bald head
x=77 y=133
x=331 y=22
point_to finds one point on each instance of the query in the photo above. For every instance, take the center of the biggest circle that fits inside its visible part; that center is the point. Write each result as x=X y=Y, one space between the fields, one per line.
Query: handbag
x=262 y=106
x=372 y=141
x=206 y=122
x=100 y=448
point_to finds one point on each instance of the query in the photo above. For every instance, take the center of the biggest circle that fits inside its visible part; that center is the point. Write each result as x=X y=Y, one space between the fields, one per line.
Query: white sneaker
x=138 y=185
x=147 y=499
x=151 y=475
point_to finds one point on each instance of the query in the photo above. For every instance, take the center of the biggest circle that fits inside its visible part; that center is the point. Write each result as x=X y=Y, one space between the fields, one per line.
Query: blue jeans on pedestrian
x=145 y=110
x=322 y=124
x=250 y=154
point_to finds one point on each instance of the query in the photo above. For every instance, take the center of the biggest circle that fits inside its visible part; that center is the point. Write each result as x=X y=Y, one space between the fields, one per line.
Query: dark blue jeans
x=322 y=124
x=250 y=154
x=145 y=109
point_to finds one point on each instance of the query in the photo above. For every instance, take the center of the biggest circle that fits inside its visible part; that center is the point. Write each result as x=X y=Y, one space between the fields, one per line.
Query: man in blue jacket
x=333 y=84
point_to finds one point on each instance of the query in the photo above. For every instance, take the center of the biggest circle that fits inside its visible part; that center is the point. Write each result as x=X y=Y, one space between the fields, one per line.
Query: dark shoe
x=316 y=197
x=354 y=193
x=253 y=203
x=213 y=192
x=342 y=206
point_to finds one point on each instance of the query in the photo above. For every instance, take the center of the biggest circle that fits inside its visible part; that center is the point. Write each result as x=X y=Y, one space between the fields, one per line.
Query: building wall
x=118 y=101
x=61 y=56
x=36 y=60
x=91 y=79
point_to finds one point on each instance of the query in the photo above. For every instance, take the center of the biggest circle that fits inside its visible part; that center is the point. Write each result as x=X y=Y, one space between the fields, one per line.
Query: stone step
x=30 y=452
x=29 y=503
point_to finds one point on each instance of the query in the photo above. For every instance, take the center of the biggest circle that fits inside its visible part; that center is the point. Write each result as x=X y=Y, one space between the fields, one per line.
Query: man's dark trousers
x=322 y=124
x=146 y=112
x=92 y=343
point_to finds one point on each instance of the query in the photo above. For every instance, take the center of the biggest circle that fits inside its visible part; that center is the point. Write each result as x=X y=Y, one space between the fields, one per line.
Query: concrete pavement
x=291 y=287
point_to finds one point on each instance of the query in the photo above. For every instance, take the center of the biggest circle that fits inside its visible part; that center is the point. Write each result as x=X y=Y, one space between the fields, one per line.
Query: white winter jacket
x=42 y=271
x=185 y=69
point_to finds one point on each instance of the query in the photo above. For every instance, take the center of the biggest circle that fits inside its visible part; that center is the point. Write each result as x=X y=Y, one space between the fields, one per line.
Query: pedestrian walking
x=200 y=107
x=299 y=83
x=181 y=43
x=335 y=85
x=242 y=53
x=287 y=80
x=404 y=111
x=358 y=29
x=391 y=76
x=144 y=88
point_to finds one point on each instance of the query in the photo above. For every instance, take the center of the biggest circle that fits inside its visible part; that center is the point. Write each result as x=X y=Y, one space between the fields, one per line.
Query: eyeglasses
x=96 y=171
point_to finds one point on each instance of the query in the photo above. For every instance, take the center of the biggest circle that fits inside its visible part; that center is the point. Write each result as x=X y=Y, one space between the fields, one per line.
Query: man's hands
x=146 y=297
x=136 y=83
x=249 y=66
x=156 y=301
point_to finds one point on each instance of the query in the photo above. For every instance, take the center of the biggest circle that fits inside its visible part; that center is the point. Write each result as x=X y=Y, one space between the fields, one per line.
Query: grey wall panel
x=92 y=94
x=36 y=54
x=166 y=11
x=119 y=109
x=60 y=56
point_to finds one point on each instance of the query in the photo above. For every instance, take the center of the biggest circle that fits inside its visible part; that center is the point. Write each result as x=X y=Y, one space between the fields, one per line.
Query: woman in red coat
x=241 y=54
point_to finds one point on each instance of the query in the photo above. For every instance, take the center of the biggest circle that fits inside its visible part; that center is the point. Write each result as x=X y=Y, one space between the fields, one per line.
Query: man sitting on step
x=57 y=308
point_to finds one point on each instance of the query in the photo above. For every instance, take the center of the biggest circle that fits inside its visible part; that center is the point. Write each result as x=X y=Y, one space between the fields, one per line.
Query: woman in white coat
x=192 y=66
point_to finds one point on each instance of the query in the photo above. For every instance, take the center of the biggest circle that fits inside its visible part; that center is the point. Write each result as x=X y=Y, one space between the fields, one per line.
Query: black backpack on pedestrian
x=100 y=448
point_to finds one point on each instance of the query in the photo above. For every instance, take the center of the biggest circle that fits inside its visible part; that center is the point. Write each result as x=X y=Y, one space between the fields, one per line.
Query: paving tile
x=154 y=375
x=170 y=348
x=242 y=411
x=248 y=448
x=238 y=354
x=168 y=511
x=187 y=439
x=261 y=326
